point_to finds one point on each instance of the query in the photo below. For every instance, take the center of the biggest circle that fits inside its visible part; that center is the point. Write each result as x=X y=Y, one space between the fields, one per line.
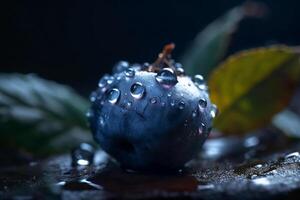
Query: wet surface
x=263 y=165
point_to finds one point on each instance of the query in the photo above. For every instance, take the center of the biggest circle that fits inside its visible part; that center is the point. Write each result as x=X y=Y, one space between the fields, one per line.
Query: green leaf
x=210 y=45
x=35 y=113
x=251 y=86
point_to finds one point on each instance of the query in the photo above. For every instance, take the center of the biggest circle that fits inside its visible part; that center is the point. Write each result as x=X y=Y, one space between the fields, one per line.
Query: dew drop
x=146 y=65
x=181 y=105
x=258 y=166
x=110 y=80
x=137 y=90
x=113 y=95
x=172 y=103
x=195 y=113
x=120 y=66
x=180 y=71
x=166 y=78
x=163 y=104
x=129 y=72
x=201 y=129
x=89 y=114
x=202 y=103
x=101 y=121
x=292 y=155
x=82 y=155
x=103 y=81
x=199 y=80
x=128 y=104
x=214 y=111
x=169 y=94
x=93 y=96
x=153 y=100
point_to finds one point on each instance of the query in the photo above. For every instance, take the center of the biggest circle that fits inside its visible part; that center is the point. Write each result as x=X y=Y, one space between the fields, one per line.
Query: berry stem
x=163 y=58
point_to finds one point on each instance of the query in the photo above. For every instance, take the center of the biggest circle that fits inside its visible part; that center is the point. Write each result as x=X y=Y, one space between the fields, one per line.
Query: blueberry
x=152 y=118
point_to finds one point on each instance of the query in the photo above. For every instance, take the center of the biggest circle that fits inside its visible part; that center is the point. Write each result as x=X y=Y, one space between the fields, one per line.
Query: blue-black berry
x=151 y=117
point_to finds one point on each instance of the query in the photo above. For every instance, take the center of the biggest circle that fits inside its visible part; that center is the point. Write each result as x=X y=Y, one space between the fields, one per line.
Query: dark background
x=75 y=42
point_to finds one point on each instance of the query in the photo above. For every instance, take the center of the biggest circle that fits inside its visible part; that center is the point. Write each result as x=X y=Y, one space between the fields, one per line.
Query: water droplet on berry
x=166 y=78
x=179 y=69
x=83 y=155
x=110 y=80
x=128 y=104
x=129 y=72
x=172 y=103
x=201 y=129
x=101 y=121
x=195 y=113
x=93 y=96
x=89 y=114
x=169 y=94
x=163 y=104
x=120 y=66
x=137 y=90
x=153 y=100
x=113 y=95
x=103 y=81
x=214 y=111
x=181 y=105
x=202 y=103
x=146 y=65
x=199 y=80
x=292 y=155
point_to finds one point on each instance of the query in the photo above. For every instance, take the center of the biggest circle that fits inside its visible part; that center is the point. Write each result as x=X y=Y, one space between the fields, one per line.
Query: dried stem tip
x=163 y=58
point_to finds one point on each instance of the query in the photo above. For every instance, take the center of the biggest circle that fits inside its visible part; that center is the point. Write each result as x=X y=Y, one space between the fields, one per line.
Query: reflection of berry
x=151 y=117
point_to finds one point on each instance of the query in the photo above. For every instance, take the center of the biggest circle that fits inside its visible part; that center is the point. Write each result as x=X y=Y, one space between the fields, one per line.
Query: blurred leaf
x=35 y=112
x=211 y=44
x=288 y=122
x=251 y=86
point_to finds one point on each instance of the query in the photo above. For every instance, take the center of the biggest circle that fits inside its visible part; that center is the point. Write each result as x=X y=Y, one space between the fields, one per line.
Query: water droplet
x=89 y=114
x=136 y=67
x=181 y=105
x=180 y=71
x=292 y=155
x=113 y=95
x=153 y=100
x=110 y=80
x=169 y=94
x=202 y=103
x=83 y=155
x=145 y=65
x=214 y=111
x=163 y=104
x=292 y=158
x=129 y=72
x=137 y=90
x=120 y=67
x=103 y=81
x=253 y=176
x=101 y=121
x=206 y=187
x=128 y=104
x=251 y=142
x=199 y=80
x=172 y=103
x=261 y=181
x=195 y=113
x=201 y=129
x=93 y=96
x=258 y=166
x=166 y=78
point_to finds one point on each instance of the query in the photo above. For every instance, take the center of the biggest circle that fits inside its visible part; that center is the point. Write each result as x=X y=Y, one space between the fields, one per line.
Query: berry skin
x=151 y=117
